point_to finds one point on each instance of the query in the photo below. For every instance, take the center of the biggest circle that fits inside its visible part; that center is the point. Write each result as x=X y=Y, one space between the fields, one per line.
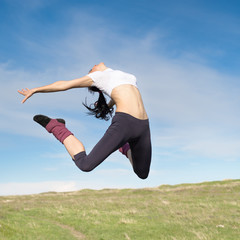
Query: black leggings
x=124 y=128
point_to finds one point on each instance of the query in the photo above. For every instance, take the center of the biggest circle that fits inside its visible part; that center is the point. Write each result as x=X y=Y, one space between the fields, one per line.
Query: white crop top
x=108 y=79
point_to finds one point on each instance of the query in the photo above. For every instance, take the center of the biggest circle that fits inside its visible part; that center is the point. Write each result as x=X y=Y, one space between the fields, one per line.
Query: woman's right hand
x=27 y=93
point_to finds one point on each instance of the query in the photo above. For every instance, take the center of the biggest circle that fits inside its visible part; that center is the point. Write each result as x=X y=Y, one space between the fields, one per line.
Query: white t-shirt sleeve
x=95 y=76
x=100 y=80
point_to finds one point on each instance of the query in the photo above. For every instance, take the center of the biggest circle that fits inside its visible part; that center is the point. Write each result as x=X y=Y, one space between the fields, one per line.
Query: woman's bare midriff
x=128 y=100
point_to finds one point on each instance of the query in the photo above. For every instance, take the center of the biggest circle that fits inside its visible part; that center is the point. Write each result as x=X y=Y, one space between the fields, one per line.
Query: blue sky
x=185 y=55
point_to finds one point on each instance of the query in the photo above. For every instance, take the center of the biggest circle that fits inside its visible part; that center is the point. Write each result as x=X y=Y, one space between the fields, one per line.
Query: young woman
x=129 y=131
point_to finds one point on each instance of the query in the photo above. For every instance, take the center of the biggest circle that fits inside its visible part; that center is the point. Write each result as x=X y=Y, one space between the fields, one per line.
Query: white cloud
x=202 y=142
x=227 y=149
x=99 y=179
x=21 y=188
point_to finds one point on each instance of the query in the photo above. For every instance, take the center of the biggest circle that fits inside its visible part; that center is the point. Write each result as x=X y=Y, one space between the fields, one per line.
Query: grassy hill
x=209 y=210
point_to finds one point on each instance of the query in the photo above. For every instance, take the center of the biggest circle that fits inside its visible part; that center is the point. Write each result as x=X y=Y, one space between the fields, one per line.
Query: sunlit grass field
x=209 y=210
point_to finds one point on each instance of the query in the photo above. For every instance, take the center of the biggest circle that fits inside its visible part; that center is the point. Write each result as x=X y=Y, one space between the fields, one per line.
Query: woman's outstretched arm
x=57 y=86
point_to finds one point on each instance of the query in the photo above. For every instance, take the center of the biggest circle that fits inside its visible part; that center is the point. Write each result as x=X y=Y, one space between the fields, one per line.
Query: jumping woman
x=129 y=131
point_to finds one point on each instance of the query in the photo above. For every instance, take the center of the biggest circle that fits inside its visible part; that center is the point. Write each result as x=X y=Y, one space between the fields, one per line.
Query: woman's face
x=100 y=67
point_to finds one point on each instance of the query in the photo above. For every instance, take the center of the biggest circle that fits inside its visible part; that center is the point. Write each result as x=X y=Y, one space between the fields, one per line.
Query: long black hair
x=100 y=108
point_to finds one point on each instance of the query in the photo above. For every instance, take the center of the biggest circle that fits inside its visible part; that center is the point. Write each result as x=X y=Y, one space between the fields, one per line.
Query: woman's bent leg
x=55 y=126
x=58 y=129
x=141 y=153
x=73 y=145
x=112 y=140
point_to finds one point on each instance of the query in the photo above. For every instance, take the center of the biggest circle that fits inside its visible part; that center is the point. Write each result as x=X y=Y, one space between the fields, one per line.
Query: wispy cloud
x=187 y=95
x=20 y=188
x=36 y=187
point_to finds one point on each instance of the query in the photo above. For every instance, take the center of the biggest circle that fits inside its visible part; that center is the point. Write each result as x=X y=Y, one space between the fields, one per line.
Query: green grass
x=204 y=211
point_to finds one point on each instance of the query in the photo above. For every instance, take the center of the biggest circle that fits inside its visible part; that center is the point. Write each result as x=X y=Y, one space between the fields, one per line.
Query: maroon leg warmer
x=124 y=149
x=58 y=129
